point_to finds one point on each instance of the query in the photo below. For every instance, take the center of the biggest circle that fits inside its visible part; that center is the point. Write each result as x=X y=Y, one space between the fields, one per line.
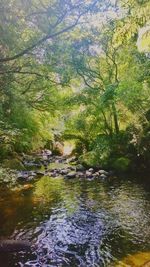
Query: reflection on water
x=76 y=223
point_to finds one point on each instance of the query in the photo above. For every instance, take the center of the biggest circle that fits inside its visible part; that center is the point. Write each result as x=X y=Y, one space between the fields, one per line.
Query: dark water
x=76 y=223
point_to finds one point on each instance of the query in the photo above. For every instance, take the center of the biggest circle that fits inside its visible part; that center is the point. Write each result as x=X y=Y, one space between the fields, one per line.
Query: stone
x=80 y=175
x=53 y=174
x=72 y=159
x=23 y=175
x=26 y=175
x=90 y=178
x=72 y=168
x=31 y=164
x=80 y=167
x=27 y=186
x=103 y=172
x=71 y=175
x=40 y=173
x=103 y=176
x=57 y=161
x=45 y=157
x=64 y=171
x=33 y=173
x=48 y=152
x=30 y=178
x=91 y=170
x=88 y=174
x=95 y=175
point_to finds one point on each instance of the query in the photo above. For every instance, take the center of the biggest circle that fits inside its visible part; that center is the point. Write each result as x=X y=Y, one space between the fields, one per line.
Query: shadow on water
x=76 y=223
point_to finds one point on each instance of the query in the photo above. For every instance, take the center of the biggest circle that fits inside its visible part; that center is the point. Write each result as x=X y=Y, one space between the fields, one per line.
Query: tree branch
x=48 y=36
x=45 y=38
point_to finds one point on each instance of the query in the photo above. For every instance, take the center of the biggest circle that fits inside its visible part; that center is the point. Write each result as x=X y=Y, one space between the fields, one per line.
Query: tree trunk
x=115 y=118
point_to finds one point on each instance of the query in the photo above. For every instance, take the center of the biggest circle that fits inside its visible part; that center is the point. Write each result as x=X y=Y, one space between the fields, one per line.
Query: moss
x=15 y=164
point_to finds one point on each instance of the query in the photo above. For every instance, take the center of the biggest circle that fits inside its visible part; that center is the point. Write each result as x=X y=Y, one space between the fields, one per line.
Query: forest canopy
x=76 y=70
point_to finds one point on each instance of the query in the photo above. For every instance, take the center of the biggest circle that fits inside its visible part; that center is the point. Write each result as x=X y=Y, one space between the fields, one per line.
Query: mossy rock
x=15 y=164
x=121 y=164
x=141 y=259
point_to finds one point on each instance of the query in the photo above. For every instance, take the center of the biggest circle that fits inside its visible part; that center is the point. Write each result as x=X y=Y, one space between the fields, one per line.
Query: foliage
x=68 y=73
x=114 y=92
x=121 y=164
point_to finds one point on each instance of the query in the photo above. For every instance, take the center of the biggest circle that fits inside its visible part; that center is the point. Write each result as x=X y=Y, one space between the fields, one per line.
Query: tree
x=30 y=72
x=114 y=90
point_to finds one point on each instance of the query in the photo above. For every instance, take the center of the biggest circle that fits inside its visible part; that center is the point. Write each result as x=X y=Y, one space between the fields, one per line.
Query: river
x=76 y=222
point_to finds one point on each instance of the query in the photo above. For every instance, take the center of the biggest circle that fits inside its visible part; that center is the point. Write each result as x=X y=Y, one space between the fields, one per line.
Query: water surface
x=76 y=222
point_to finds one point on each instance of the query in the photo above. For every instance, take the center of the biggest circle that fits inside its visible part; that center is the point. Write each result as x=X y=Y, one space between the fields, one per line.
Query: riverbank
x=46 y=164
x=28 y=168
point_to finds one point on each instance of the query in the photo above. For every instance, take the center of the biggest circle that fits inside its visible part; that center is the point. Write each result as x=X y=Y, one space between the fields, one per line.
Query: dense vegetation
x=76 y=70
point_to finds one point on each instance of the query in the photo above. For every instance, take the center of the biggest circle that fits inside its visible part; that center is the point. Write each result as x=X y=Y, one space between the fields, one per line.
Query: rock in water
x=14 y=245
x=103 y=176
x=80 y=168
x=88 y=174
x=91 y=170
x=103 y=172
x=147 y=264
x=71 y=175
x=140 y=259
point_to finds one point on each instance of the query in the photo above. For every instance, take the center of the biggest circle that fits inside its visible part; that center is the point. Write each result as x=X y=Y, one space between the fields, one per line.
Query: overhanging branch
x=47 y=37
